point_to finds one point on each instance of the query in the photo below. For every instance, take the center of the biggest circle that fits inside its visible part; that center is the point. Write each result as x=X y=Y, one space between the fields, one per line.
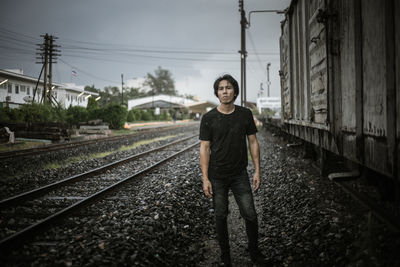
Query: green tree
x=132 y=93
x=161 y=82
x=92 y=104
x=91 y=89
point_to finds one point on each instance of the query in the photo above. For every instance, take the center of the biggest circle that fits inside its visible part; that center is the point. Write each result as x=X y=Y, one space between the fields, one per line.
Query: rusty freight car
x=340 y=76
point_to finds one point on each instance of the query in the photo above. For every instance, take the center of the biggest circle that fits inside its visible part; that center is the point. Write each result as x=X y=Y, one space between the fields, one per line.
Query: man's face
x=225 y=92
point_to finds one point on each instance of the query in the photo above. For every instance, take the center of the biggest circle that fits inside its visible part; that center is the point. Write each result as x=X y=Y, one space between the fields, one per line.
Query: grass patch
x=122 y=132
x=70 y=161
x=20 y=145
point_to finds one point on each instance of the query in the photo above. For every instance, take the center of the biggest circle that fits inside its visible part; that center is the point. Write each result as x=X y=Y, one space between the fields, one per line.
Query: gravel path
x=304 y=219
x=163 y=219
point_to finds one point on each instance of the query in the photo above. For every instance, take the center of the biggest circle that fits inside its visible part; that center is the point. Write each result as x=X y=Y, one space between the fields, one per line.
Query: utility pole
x=47 y=54
x=52 y=56
x=122 y=88
x=268 y=82
x=243 y=53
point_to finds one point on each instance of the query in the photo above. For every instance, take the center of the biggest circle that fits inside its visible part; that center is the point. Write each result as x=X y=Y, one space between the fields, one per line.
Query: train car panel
x=294 y=81
x=374 y=67
x=318 y=65
x=353 y=59
x=397 y=52
x=285 y=73
x=348 y=73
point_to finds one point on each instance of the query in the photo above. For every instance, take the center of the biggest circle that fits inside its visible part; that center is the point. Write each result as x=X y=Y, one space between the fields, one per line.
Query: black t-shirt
x=227 y=135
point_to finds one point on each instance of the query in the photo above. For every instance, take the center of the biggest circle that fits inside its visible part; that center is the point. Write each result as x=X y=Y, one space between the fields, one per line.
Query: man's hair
x=231 y=80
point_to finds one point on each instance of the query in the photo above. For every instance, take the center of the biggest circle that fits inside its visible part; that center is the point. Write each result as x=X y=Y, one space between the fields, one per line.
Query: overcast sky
x=197 y=40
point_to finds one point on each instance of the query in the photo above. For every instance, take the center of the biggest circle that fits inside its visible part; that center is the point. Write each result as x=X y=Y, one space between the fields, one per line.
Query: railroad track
x=70 y=145
x=27 y=214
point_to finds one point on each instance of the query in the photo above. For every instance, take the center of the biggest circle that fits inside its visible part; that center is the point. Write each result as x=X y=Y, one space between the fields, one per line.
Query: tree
x=91 y=89
x=161 y=82
x=92 y=104
x=132 y=93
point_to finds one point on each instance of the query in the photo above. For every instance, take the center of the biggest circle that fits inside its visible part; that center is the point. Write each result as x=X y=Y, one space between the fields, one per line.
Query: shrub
x=76 y=114
x=147 y=115
x=38 y=113
x=115 y=115
x=165 y=116
x=96 y=113
x=134 y=115
x=5 y=114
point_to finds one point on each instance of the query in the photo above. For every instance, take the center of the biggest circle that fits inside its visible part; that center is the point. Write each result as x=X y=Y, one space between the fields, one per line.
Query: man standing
x=223 y=160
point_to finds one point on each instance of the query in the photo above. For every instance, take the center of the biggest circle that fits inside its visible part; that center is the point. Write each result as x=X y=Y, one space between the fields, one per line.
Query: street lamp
x=265 y=11
x=6 y=80
x=243 y=53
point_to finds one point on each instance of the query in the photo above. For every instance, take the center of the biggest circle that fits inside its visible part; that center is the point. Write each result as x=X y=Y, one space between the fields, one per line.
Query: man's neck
x=226 y=108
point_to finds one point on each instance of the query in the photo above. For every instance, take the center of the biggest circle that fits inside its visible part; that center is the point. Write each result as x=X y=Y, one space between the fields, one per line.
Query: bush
x=134 y=115
x=165 y=116
x=115 y=115
x=76 y=114
x=5 y=114
x=94 y=114
x=148 y=115
x=33 y=113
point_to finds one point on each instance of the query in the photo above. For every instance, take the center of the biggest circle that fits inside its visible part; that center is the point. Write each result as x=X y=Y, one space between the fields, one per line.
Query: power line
x=254 y=47
x=87 y=73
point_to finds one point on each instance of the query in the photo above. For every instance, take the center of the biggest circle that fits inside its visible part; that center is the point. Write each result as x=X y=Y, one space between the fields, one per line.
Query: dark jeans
x=240 y=186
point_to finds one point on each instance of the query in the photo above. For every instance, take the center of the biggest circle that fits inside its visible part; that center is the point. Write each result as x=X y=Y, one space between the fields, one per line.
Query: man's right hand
x=207 y=188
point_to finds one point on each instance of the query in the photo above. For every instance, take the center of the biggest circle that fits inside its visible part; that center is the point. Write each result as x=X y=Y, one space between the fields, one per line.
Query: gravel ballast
x=164 y=219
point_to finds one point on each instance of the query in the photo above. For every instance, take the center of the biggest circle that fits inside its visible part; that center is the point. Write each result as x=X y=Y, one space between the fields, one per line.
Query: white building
x=18 y=89
x=159 y=101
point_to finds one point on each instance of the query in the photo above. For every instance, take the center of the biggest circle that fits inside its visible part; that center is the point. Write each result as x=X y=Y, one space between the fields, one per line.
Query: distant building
x=159 y=101
x=164 y=102
x=272 y=103
x=18 y=89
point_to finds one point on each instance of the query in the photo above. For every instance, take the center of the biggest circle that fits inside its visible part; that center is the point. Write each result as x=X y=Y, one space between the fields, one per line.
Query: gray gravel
x=163 y=219
x=22 y=174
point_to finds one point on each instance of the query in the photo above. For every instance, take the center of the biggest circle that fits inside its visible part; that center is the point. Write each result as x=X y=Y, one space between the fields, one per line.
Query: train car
x=340 y=76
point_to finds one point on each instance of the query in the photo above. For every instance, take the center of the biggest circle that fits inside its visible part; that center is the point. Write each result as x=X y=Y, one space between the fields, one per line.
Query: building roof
x=18 y=74
x=176 y=101
x=201 y=107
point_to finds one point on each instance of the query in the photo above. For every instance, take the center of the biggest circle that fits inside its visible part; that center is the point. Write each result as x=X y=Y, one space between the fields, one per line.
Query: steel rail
x=55 y=147
x=42 y=190
x=30 y=231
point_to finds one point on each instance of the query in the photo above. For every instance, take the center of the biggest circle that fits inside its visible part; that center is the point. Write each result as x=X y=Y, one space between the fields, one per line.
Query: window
x=28 y=90
x=9 y=88
x=23 y=88
x=17 y=89
x=4 y=86
x=68 y=97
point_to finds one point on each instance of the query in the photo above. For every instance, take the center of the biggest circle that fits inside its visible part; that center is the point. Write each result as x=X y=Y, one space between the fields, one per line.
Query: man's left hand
x=256 y=181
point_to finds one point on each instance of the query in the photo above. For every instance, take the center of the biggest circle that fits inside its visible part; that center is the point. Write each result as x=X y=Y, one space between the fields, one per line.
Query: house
x=18 y=89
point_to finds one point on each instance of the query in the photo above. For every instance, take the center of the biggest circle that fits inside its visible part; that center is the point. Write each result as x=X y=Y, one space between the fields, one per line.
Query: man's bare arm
x=204 y=162
x=255 y=155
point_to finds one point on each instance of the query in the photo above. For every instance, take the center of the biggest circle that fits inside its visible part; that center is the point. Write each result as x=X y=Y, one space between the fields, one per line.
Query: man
x=223 y=160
